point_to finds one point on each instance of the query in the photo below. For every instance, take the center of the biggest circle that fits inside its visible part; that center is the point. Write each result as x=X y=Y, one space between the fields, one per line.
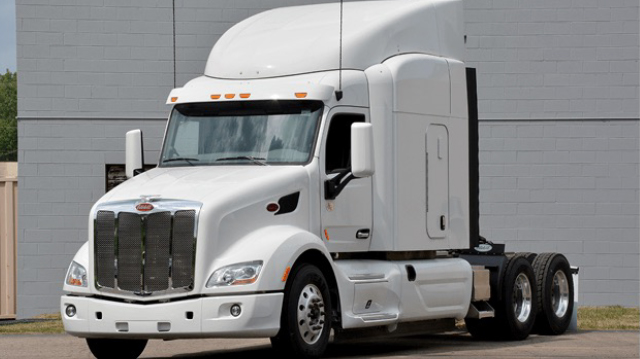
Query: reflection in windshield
x=257 y=132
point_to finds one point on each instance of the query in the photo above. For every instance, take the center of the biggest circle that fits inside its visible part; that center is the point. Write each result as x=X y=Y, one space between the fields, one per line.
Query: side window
x=338 y=149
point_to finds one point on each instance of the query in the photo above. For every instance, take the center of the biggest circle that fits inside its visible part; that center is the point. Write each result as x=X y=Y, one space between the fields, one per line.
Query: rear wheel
x=518 y=310
x=116 y=348
x=554 y=282
x=515 y=312
x=305 y=324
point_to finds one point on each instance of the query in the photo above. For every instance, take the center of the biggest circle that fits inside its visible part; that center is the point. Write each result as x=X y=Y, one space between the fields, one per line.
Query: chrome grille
x=105 y=252
x=181 y=248
x=130 y=250
x=158 y=242
x=144 y=253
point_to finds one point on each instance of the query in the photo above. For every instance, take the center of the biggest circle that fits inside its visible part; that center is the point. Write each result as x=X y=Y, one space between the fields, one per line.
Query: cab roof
x=305 y=39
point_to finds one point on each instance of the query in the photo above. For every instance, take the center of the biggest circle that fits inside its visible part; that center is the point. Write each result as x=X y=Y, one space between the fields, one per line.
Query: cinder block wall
x=558 y=103
x=558 y=100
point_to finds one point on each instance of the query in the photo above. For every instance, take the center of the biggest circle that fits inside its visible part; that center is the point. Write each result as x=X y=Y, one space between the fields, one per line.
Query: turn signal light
x=174 y=99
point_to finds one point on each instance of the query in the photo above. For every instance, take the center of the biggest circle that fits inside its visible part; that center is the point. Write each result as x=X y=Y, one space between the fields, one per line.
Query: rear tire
x=116 y=348
x=530 y=256
x=515 y=313
x=306 y=319
x=554 y=282
x=519 y=297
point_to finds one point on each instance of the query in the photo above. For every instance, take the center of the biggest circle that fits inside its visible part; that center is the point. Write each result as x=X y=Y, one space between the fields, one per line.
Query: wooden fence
x=8 y=242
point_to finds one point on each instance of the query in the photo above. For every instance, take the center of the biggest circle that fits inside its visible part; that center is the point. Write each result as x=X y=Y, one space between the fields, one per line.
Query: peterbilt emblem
x=144 y=207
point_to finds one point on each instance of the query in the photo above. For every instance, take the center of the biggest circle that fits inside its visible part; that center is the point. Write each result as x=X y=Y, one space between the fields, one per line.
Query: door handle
x=363 y=233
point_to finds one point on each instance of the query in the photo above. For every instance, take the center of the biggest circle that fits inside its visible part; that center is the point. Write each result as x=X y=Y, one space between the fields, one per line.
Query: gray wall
x=558 y=103
x=558 y=96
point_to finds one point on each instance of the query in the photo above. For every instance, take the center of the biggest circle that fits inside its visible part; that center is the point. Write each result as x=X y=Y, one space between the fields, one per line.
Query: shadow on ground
x=384 y=347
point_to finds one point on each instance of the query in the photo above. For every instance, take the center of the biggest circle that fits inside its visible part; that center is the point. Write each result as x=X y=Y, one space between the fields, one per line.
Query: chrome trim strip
x=367 y=276
x=377 y=317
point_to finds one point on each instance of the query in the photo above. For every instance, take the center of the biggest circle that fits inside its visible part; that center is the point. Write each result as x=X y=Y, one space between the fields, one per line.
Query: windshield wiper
x=256 y=160
x=186 y=159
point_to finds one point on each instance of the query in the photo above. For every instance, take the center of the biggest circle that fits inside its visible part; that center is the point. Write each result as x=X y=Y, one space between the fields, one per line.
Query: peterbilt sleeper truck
x=320 y=180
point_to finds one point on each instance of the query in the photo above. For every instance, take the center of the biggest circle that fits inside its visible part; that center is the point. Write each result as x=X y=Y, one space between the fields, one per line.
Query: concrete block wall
x=568 y=187
x=106 y=59
x=61 y=174
x=554 y=59
x=558 y=103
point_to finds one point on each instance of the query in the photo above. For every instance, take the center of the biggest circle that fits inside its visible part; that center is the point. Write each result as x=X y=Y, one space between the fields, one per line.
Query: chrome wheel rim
x=522 y=301
x=310 y=314
x=560 y=294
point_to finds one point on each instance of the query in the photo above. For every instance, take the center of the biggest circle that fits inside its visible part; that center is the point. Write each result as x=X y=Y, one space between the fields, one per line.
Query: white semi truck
x=320 y=178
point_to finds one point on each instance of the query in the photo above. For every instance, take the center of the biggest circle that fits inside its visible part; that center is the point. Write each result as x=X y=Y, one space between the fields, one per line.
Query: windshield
x=254 y=133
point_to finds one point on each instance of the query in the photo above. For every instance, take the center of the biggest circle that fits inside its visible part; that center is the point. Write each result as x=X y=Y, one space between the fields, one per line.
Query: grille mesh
x=158 y=241
x=129 y=251
x=105 y=249
x=183 y=248
x=145 y=252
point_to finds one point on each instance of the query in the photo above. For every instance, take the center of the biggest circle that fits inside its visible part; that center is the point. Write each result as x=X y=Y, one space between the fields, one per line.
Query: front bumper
x=193 y=318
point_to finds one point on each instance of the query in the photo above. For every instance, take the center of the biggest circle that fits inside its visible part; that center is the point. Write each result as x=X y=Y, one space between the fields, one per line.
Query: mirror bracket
x=333 y=187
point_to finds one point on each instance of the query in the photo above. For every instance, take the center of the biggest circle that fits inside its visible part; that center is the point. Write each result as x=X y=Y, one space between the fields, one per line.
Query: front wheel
x=116 y=348
x=305 y=324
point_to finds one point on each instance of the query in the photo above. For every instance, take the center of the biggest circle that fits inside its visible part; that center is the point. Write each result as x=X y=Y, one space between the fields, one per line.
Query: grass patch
x=52 y=325
x=608 y=318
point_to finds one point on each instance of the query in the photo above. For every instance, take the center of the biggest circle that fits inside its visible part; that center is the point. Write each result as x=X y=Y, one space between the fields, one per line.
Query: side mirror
x=134 y=153
x=362 y=163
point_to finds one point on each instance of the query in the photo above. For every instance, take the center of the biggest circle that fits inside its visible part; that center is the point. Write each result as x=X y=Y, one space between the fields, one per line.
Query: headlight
x=77 y=275
x=236 y=274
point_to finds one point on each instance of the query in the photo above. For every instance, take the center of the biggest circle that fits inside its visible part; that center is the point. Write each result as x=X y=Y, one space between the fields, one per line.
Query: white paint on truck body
x=402 y=74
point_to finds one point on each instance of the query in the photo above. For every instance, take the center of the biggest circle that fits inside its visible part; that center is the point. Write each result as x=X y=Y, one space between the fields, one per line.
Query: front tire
x=306 y=320
x=116 y=348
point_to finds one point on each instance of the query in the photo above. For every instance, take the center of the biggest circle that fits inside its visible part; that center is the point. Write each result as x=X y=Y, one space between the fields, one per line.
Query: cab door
x=347 y=219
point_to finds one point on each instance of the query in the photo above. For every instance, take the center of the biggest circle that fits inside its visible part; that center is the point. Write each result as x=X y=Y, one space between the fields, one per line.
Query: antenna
x=339 y=91
x=173 y=19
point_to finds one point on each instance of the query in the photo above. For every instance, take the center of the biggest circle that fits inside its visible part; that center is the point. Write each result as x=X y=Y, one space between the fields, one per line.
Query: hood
x=198 y=183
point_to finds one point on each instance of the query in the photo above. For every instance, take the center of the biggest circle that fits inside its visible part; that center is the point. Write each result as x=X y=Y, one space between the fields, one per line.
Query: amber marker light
x=215 y=97
x=174 y=99
x=245 y=95
x=286 y=274
x=245 y=281
x=229 y=96
x=301 y=94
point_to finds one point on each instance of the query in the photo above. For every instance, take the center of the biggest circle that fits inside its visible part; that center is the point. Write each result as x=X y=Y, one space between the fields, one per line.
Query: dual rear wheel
x=537 y=296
